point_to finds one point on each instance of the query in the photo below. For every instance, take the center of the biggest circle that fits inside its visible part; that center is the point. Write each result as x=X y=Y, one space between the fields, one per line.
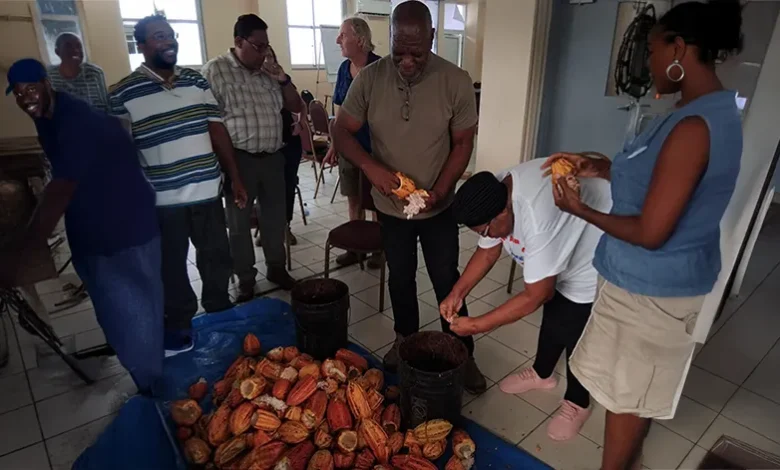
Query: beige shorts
x=636 y=350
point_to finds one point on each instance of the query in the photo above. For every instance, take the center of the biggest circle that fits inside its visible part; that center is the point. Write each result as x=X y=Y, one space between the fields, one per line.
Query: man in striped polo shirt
x=182 y=141
x=75 y=76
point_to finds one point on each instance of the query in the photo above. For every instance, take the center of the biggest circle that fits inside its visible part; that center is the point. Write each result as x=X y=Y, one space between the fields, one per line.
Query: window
x=432 y=5
x=454 y=17
x=304 y=18
x=184 y=17
x=57 y=17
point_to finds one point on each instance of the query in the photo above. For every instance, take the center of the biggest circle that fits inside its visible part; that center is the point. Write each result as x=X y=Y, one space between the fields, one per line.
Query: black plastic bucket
x=321 y=309
x=431 y=370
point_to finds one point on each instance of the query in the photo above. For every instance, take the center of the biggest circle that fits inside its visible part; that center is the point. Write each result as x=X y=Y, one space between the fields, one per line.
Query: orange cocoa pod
x=198 y=390
x=269 y=369
x=185 y=412
x=199 y=429
x=290 y=353
x=412 y=462
x=365 y=460
x=322 y=439
x=434 y=450
x=241 y=418
x=265 y=420
x=321 y=460
x=263 y=457
x=454 y=463
x=377 y=416
x=293 y=413
x=334 y=369
x=561 y=167
x=259 y=438
x=341 y=394
x=251 y=345
x=311 y=369
x=229 y=450
x=410 y=439
x=375 y=378
x=395 y=442
x=375 y=436
x=462 y=444
x=303 y=389
x=292 y=432
x=330 y=386
x=301 y=361
x=363 y=382
x=352 y=358
x=339 y=416
x=221 y=390
x=433 y=430
x=276 y=354
x=375 y=399
x=391 y=419
x=347 y=441
x=281 y=389
x=183 y=433
x=393 y=393
x=253 y=387
x=197 y=451
x=314 y=411
x=242 y=370
x=405 y=186
x=358 y=402
x=230 y=373
x=341 y=460
x=297 y=457
x=234 y=398
x=415 y=449
x=218 y=430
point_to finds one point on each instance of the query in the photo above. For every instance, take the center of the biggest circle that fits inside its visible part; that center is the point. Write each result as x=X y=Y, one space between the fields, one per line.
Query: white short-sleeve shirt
x=547 y=241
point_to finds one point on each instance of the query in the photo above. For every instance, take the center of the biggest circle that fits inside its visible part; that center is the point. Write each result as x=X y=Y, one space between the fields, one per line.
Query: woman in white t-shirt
x=515 y=209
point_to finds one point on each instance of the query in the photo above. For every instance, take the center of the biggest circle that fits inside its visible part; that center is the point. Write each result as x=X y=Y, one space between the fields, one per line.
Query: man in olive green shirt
x=422 y=114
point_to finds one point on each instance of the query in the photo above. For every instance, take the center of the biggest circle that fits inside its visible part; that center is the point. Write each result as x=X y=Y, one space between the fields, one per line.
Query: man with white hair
x=355 y=41
x=76 y=76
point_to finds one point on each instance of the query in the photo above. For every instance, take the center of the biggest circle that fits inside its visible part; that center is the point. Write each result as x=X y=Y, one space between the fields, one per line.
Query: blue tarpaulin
x=141 y=436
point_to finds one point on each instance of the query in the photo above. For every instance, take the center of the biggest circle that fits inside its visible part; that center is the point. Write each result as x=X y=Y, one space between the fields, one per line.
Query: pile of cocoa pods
x=286 y=411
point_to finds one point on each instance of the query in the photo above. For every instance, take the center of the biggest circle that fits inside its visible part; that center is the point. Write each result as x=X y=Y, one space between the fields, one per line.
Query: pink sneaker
x=527 y=380
x=567 y=422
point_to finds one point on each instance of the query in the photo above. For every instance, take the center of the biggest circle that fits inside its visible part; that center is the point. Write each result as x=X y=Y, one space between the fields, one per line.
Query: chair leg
x=320 y=180
x=335 y=190
x=287 y=244
x=327 y=258
x=300 y=203
x=382 y=283
x=511 y=277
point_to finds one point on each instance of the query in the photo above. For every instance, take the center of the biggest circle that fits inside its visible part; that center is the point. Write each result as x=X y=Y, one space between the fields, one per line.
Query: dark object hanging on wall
x=632 y=73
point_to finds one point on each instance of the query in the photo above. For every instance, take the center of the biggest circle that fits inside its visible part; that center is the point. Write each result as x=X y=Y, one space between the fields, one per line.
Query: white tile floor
x=47 y=417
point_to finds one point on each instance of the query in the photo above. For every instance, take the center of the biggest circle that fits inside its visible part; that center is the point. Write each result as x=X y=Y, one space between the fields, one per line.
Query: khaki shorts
x=636 y=350
x=350 y=177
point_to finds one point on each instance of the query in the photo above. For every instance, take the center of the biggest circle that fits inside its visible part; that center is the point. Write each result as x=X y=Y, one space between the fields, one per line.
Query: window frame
x=318 y=55
x=38 y=18
x=198 y=22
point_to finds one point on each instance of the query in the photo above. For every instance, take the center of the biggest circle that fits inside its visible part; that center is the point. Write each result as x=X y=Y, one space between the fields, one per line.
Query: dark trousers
x=204 y=224
x=562 y=324
x=440 y=245
x=292 y=160
x=127 y=291
x=263 y=178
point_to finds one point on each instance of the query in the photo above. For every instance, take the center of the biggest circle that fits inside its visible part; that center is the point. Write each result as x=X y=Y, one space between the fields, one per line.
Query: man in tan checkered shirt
x=251 y=89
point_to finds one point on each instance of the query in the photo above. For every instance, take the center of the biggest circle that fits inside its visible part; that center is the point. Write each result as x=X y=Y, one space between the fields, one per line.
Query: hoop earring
x=676 y=64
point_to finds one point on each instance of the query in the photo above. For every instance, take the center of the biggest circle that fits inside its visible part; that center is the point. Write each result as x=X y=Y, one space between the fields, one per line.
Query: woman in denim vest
x=660 y=253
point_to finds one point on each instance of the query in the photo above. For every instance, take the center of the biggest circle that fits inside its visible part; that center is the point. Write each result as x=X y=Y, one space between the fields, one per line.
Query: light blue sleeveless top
x=689 y=262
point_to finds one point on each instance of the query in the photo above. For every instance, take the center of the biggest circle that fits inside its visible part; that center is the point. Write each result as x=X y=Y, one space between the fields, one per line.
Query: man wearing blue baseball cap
x=110 y=218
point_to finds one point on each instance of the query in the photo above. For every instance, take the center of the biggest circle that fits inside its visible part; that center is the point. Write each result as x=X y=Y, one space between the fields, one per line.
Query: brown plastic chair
x=313 y=151
x=319 y=118
x=363 y=237
x=323 y=166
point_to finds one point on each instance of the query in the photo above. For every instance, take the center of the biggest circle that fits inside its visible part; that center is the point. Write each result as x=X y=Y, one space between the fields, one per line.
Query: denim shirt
x=689 y=262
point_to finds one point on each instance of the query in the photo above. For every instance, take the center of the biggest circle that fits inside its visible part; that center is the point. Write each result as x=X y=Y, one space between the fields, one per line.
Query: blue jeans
x=127 y=291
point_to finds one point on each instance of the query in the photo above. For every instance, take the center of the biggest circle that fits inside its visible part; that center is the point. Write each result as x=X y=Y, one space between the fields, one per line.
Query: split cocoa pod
x=406 y=186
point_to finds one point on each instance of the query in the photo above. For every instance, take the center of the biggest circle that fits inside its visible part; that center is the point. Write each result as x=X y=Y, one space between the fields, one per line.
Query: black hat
x=481 y=198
